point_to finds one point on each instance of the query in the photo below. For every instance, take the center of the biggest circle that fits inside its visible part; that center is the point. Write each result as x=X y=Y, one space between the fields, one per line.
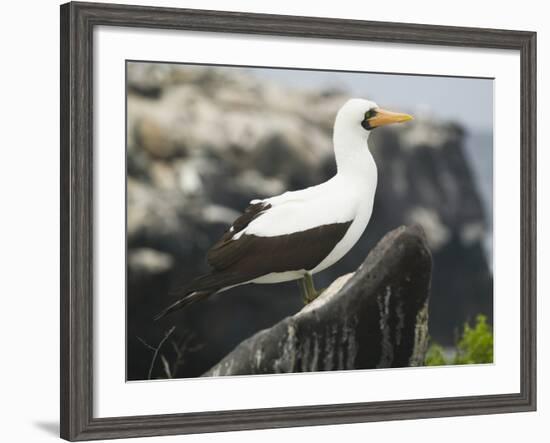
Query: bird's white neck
x=351 y=150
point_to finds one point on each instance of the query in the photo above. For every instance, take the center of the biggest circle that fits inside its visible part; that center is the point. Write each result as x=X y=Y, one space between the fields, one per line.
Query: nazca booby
x=299 y=233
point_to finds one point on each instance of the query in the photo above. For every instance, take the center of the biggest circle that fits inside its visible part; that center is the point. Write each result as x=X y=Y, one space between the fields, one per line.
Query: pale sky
x=468 y=101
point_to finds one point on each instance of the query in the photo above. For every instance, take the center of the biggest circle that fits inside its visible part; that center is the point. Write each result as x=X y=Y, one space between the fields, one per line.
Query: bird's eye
x=370 y=113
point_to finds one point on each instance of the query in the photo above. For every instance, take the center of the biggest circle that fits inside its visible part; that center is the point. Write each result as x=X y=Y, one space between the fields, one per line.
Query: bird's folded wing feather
x=280 y=235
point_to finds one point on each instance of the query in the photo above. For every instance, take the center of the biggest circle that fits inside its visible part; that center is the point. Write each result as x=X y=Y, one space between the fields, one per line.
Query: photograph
x=278 y=220
x=287 y=220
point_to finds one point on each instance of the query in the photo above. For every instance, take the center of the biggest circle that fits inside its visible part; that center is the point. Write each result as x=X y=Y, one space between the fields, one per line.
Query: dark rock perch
x=376 y=317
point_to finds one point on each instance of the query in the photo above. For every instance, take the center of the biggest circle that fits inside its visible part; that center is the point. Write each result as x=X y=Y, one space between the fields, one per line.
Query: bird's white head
x=360 y=114
x=354 y=122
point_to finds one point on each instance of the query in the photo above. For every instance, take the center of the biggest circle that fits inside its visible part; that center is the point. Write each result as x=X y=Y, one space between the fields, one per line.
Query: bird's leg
x=307 y=286
x=303 y=290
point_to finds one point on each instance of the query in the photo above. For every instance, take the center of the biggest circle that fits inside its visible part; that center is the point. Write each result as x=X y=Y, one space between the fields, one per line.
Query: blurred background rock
x=203 y=141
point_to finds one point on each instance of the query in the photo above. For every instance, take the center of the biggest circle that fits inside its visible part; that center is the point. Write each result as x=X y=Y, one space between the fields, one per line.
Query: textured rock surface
x=376 y=317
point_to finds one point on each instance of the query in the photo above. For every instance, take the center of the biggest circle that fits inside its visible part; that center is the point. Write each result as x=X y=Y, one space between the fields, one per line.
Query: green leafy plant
x=434 y=356
x=474 y=346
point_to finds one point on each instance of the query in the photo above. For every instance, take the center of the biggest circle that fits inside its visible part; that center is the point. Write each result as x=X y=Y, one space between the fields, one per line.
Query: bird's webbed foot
x=309 y=293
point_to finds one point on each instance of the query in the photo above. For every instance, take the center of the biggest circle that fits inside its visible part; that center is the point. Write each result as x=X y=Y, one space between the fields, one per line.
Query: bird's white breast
x=365 y=193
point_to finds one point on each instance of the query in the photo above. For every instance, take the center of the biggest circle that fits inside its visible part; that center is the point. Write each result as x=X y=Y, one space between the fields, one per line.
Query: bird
x=295 y=235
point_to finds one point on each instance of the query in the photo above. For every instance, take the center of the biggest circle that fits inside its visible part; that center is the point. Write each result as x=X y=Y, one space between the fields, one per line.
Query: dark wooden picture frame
x=77 y=24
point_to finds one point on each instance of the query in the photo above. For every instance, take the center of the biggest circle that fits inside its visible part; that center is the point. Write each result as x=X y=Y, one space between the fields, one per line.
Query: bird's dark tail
x=183 y=302
x=199 y=289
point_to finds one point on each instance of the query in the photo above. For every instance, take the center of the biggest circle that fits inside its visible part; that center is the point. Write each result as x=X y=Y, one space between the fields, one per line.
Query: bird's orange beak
x=383 y=117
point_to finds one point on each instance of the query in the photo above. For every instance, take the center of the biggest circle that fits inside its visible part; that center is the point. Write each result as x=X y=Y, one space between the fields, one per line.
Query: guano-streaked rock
x=376 y=317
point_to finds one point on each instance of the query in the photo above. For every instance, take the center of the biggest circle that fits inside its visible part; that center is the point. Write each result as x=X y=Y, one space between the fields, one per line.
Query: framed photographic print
x=272 y=221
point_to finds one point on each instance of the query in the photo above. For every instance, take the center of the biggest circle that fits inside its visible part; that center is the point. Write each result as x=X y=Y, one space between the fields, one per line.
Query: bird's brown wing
x=223 y=253
x=252 y=256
